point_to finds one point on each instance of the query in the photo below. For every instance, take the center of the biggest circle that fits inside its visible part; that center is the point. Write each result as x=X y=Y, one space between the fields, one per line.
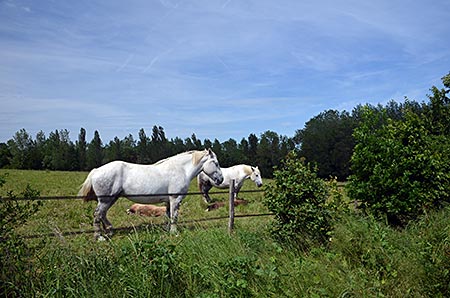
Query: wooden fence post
x=231 y=211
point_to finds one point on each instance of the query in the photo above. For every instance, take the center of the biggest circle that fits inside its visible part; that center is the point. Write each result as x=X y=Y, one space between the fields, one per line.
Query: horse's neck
x=191 y=168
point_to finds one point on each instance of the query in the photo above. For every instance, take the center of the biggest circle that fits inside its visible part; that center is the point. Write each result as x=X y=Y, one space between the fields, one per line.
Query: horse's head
x=256 y=177
x=211 y=166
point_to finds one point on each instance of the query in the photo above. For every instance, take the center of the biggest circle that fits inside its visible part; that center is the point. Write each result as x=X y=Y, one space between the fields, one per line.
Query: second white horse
x=238 y=173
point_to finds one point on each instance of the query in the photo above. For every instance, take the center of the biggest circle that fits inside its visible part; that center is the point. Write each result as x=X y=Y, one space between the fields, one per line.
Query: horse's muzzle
x=218 y=180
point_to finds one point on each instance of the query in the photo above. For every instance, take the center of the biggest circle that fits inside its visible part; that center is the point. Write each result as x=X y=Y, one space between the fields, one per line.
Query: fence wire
x=49 y=198
x=142 y=226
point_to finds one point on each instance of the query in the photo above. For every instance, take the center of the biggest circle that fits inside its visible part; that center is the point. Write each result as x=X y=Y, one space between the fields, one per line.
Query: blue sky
x=220 y=69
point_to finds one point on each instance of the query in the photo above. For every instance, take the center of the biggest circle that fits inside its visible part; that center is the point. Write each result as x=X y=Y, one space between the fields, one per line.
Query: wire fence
x=58 y=233
x=71 y=197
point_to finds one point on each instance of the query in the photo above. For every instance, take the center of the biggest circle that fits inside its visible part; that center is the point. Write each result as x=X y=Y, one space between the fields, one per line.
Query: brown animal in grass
x=217 y=205
x=147 y=210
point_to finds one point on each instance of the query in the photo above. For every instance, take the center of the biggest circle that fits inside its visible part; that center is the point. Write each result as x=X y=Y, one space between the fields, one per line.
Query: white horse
x=239 y=173
x=165 y=181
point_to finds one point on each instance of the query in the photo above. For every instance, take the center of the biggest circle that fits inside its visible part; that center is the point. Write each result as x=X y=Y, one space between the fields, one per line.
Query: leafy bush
x=14 y=252
x=299 y=200
x=400 y=169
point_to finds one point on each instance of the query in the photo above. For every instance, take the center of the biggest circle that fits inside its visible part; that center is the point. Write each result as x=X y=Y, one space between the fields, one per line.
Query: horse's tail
x=86 y=190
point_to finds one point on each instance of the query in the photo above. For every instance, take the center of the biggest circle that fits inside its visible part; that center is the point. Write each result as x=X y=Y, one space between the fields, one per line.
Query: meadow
x=364 y=257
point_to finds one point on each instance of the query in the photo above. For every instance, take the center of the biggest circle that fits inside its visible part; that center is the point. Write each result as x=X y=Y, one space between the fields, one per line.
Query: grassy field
x=364 y=258
x=77 y=215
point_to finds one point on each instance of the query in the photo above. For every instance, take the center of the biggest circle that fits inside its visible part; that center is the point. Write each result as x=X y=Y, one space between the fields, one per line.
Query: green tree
x=193 y=143
x=94 y=153
x=159 y=147
x=244 y=149
x=253 y=142
x=207 y=143
x=217 y=148
x=40 y=144
x=21 y=147
x=60 y=152
x=81 y=147
x=327 y=141
x=177 y=146
x=143 y=156
x=401 y=168
x=438 y=110
x=230 y=154
x=113 y=151
x=268 y=153
x=128 y=145
x=5 y=155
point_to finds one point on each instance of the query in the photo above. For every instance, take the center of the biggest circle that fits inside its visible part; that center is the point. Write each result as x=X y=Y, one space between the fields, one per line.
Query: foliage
x=15 y=254
x=363 y=258
x=5 y=155
x=402 y=167
x=299 y=200
x=326 y=140
x=410 y=262
x=58 y=152
x=94 y=152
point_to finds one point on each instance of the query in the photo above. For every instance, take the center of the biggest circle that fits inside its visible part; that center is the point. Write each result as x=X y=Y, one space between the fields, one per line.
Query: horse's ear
x=253 y=169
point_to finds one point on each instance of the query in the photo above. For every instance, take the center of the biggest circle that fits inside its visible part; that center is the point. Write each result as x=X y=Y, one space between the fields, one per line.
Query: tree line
x=57 y=152
x=327 y=141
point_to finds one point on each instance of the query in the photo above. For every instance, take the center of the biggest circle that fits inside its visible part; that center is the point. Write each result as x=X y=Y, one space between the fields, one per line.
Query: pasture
x=72 y=215
x=364 y=258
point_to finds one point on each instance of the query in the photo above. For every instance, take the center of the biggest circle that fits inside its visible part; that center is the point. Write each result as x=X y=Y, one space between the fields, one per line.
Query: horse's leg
x=97 y=221
x=237 y=188
x=104 y=203
x=205 y=187
x=174 y=206
x=168 y=214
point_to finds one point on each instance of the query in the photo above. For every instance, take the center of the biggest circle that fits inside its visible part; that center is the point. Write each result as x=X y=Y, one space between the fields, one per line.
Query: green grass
x=364 y=258
x=54 y=215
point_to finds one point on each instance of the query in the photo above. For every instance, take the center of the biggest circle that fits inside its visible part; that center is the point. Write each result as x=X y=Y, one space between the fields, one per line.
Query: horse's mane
x=247 y=169
x=177 y=155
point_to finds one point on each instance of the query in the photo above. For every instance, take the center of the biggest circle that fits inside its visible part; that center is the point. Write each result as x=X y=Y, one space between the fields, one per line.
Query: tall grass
x=364 y=258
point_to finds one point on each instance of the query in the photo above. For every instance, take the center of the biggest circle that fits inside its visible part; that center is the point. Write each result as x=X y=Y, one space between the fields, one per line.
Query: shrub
x=299 y=200
x=14 y=252
x=400 y=169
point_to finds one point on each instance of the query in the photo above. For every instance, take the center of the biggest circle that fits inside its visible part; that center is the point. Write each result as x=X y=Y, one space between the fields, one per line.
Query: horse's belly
x=147 y=199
